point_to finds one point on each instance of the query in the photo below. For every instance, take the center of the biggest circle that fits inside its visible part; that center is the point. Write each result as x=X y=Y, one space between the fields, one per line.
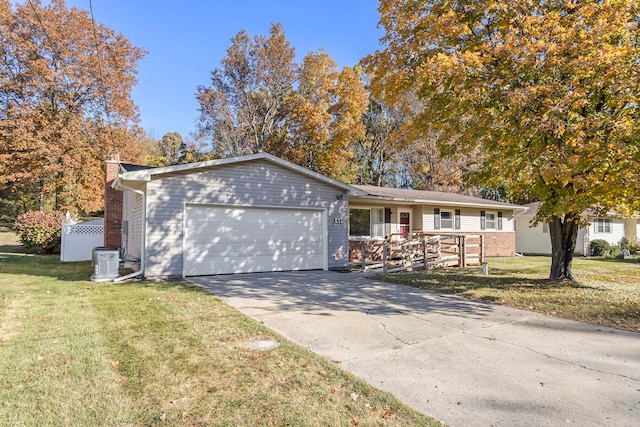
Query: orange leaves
x=61 y=108
x=260 y=99
x=548 y=90
x=327 y=116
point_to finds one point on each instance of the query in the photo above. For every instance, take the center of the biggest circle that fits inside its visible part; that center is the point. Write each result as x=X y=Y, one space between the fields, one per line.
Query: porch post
x=385 y=246
x=424 y=252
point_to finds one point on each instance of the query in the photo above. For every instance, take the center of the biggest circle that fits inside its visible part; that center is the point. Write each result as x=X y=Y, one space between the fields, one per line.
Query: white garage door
x=220 y=240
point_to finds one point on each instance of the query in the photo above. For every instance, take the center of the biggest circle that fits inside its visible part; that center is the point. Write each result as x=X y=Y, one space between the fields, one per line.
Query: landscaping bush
x=599 y=247
x=37 y=229
x=632 y=245
x=615 y=252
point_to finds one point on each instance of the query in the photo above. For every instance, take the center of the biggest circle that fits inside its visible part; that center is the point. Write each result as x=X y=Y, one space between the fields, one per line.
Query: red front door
x=404 y=223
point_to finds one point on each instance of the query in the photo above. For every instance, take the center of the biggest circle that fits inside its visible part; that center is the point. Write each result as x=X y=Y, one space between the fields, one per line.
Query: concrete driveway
x=463 y=362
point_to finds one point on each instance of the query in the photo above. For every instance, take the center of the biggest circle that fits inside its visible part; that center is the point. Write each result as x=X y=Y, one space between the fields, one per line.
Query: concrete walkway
x=466 y=363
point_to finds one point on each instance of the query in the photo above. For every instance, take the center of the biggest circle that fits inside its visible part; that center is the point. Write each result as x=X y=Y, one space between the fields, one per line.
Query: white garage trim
x=225 y=239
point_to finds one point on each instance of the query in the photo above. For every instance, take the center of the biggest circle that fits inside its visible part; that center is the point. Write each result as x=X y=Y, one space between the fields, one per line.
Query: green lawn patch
x=74 y=352
x=606 y=292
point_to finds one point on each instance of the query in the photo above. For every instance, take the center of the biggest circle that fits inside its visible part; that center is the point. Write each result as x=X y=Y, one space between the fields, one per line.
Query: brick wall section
x=501 y=243
x=112 y=206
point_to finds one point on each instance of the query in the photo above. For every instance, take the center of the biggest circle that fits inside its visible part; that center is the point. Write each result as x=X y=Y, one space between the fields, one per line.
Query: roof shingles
x=421 y=196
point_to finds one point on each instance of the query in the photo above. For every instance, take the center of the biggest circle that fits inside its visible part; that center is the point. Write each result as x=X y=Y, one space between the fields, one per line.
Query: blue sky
x=187 y=39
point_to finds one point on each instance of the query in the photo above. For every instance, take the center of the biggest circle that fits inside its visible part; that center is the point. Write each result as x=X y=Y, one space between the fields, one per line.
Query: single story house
x=536 y=240
x=379 y=212
x=261 y=213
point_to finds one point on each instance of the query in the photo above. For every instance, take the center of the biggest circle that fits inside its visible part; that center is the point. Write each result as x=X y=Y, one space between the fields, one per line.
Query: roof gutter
x=117 y=185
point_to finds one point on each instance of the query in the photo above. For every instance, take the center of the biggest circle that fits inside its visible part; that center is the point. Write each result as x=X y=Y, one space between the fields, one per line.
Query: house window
x=603 y=225
x=490 y=220
x=446 y=219
x=545 y=228
x=367 y=222
x=359 y=222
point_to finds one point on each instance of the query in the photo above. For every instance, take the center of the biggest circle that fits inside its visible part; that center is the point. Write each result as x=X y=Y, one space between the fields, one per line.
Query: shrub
x=633 y=245
x=41 y=230
x=615 y=252
x=599 y=247
x=624 y=243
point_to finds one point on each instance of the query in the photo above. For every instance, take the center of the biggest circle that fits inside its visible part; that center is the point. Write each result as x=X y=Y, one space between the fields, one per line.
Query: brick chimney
x=112 y=204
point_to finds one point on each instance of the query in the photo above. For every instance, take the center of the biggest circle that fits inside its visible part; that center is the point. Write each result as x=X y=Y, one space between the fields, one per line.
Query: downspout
x=119 y=184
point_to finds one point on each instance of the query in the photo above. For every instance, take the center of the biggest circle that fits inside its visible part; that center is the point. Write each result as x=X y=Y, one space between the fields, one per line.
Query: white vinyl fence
x=78 y=240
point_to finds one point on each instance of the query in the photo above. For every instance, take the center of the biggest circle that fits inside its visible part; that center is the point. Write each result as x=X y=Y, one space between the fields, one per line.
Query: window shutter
x=436 y=219
x=499 y=220
x=457 y=220
x=483 y=224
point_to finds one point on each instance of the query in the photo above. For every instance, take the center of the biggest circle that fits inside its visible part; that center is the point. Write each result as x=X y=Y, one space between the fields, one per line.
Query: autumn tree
x=245 y=108
x=260 y=99
x=547 y=90
x=169 y=150
x=65 y=102
x=424 y=165
x=173 y=148
x=378 y=152
x=326 y=117
x=151 y=151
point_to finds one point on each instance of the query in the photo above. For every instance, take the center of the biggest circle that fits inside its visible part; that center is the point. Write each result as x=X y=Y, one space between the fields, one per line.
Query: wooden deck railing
x=419 y=250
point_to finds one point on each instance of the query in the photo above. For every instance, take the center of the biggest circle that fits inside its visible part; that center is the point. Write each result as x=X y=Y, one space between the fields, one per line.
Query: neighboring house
x=536 y=240
x=382 y=212
x=261 y=213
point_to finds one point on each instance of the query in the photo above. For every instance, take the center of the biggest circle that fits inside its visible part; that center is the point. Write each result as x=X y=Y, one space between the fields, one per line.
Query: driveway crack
x=384 y=326
x=559 y=359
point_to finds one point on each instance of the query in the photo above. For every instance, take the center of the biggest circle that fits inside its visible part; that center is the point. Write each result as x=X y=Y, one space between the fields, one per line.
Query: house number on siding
x=337 y=220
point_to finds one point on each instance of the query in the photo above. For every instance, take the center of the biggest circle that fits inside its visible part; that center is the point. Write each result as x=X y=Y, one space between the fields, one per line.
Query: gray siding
x=256 y=183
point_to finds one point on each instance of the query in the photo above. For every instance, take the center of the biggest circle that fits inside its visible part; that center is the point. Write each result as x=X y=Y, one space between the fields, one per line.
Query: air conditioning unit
x=106 y=263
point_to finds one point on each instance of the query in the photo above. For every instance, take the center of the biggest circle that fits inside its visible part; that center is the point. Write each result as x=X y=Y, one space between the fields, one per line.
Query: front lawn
x=606 y=292
x=73 y=352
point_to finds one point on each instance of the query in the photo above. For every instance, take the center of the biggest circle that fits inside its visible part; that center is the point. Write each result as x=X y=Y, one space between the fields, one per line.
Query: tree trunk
x=563 y=232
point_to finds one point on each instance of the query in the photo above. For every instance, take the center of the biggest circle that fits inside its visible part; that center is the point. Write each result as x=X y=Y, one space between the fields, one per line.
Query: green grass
x=606 y=292
x=74 y=352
